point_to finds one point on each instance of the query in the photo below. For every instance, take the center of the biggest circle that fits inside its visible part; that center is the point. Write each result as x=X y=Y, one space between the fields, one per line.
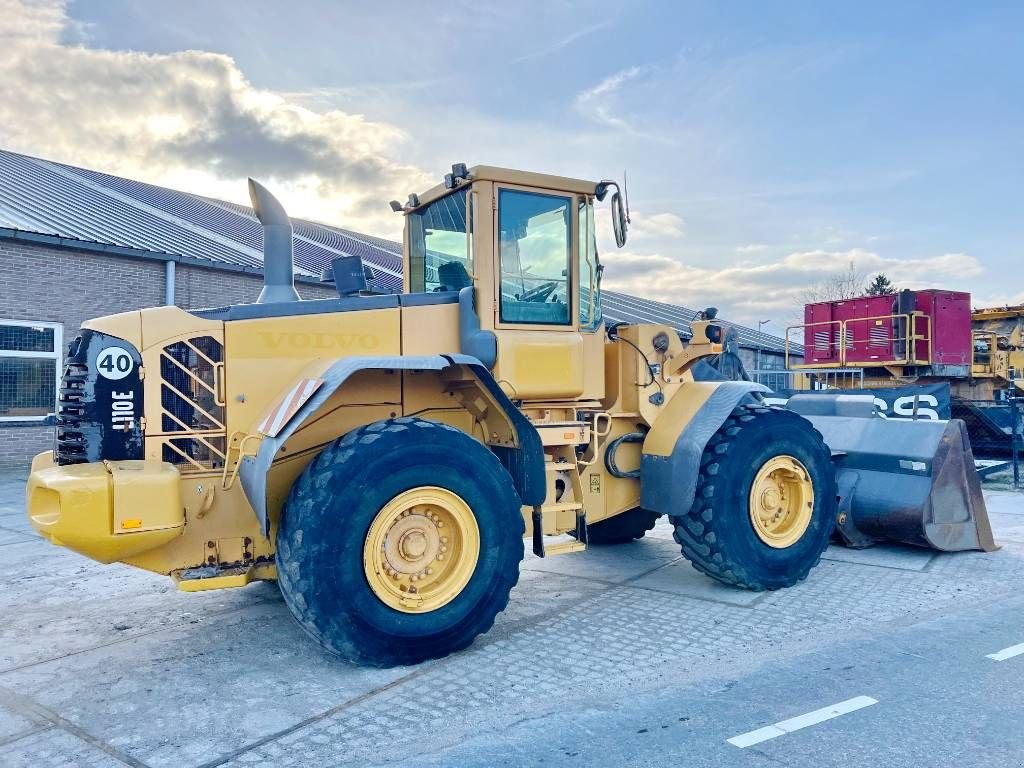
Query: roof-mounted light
x=459 y=173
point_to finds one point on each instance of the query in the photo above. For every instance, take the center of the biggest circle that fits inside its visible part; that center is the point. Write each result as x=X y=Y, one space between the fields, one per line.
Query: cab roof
x=511 y=176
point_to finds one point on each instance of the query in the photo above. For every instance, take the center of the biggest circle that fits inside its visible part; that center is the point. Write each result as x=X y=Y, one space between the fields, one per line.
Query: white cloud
x=656 y=225
x=563 y=42
x=191 y=117
x=192 y=120
x=752 y=248
x=598 y=102
x=751 y=291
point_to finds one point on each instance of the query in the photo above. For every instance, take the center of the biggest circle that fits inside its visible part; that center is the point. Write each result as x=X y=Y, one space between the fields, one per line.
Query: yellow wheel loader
x=383 y=457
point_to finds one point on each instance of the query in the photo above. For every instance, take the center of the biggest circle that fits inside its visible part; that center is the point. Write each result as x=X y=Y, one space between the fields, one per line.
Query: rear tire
x=625 y=527
x=718 y=534
x=332 y=521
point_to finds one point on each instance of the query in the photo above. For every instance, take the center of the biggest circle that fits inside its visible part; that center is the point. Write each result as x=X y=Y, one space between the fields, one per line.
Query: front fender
x=524 y=460
x=672 y=450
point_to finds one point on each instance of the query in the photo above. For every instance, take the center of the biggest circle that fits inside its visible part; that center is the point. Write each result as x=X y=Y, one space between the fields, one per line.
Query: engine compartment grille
x=191 y=409
x=70 y=446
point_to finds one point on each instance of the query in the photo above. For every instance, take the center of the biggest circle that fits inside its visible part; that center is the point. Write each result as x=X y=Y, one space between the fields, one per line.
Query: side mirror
x=619 y=221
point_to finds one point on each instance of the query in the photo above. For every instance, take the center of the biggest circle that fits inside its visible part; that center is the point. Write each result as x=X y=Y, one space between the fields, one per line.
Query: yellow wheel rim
x=421 y=549
x=781 y=501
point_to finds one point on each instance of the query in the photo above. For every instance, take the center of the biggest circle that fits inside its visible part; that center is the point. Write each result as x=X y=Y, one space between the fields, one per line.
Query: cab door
x=536 y=286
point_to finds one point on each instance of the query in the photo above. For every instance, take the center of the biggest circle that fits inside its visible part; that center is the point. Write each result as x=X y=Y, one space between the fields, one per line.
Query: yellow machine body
x=180 y=508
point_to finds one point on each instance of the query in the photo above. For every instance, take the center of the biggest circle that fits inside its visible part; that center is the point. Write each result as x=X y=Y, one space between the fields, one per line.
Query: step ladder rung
x=564 y=548
x=563 y=466
x=565 y=506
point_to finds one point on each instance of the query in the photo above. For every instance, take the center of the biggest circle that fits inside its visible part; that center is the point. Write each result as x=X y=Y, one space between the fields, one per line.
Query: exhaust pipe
x=278 y=264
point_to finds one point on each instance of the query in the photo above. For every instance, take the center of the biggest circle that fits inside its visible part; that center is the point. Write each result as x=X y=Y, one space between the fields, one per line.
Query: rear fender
x=673 y=447
x=518 y=445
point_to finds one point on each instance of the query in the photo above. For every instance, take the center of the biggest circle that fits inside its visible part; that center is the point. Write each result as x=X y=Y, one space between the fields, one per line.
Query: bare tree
x=836 y=287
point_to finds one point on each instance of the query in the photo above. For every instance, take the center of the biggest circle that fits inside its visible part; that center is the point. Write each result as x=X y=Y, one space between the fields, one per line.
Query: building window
x=30 y=362
x=770 y=361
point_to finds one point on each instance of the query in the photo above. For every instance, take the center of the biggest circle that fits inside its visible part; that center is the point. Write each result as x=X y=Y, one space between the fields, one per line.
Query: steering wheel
x=540 y=293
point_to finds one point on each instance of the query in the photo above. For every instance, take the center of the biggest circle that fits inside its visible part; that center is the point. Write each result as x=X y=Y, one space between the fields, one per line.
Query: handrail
x=910 y=338
x=809 y=325
x=977 y=356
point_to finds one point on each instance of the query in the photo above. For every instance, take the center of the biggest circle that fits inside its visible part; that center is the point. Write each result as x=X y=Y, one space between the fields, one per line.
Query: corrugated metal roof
x=51 y=198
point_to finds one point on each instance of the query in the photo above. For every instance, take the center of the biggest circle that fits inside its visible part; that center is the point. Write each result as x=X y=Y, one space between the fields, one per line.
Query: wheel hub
x=411 y=542
x=781 y=501
x=421 y=549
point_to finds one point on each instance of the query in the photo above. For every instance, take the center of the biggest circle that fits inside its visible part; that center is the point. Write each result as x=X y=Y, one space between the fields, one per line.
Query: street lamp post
x=760 y=325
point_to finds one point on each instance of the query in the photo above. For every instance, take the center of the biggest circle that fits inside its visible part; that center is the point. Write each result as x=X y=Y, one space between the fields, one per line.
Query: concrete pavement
x=617 y=656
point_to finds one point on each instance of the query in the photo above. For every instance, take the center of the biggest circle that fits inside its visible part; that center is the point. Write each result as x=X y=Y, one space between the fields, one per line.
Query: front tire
x=400 y=543
x=765 y=501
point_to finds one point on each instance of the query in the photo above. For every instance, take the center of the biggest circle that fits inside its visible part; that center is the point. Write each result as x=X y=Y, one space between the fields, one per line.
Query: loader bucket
x=910 y=481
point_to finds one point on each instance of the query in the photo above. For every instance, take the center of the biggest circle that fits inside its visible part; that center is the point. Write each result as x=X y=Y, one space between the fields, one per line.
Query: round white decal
x=114 y=362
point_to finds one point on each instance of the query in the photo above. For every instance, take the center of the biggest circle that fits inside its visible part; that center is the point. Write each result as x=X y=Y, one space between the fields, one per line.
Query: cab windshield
x=441 y=245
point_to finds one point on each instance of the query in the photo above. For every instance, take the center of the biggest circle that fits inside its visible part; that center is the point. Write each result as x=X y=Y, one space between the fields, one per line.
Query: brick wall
x=58 y=285
x=62 y=286
x=18 y=444
x=196 y=288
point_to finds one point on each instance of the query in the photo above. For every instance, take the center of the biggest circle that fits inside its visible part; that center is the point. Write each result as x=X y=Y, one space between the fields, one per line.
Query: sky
x=767 y=145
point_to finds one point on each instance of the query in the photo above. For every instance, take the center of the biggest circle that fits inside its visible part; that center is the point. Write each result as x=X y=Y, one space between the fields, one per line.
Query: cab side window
x=441 y=244
x=535 y=241
x=589 y=269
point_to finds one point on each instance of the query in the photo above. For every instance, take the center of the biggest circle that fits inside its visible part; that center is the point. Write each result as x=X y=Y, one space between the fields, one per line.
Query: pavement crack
x=24 y=734
x=439 y=664
x=36 y=711
x=134 y=636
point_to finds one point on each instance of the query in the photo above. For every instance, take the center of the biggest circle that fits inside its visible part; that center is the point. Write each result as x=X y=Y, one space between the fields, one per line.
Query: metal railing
x=779 y=379
x=829 y=343
x=1015 y=438
x=996 y=427
x=983 y=352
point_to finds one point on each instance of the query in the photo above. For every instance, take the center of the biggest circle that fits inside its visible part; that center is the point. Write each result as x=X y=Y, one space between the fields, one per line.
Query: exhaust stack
x=278 y=264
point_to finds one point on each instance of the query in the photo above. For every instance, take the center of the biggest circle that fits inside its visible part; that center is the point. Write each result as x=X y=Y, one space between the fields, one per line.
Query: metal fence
x=778 y=379
x=996 y=428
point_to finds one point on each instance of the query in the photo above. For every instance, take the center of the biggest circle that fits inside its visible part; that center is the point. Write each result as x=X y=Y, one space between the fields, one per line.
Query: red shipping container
x=878 y=328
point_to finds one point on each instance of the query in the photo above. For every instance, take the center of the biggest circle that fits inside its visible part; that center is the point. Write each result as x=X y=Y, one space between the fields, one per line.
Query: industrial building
x=76 y=244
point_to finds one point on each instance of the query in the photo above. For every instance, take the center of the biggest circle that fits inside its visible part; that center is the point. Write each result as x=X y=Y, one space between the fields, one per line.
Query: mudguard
x=670 y=464
x=525 y=463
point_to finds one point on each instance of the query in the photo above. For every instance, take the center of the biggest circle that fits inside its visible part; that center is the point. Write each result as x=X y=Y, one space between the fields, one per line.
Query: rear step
x=578 y=544
x=219 y=577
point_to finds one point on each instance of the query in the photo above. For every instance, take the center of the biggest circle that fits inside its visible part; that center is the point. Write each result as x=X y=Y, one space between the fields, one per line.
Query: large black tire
x=717 y=535
x=329 y=512
x=623 y=528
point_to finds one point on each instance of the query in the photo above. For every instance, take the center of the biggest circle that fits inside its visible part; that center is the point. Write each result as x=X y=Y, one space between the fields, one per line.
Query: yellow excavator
x=383 y=457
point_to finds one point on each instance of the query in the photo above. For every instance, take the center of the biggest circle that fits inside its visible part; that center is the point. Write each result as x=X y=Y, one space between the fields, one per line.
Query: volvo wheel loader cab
x=384 y=457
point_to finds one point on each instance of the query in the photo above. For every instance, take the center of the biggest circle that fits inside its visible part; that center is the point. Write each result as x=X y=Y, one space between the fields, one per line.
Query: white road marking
x=1006 y=653
x=750 y=738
